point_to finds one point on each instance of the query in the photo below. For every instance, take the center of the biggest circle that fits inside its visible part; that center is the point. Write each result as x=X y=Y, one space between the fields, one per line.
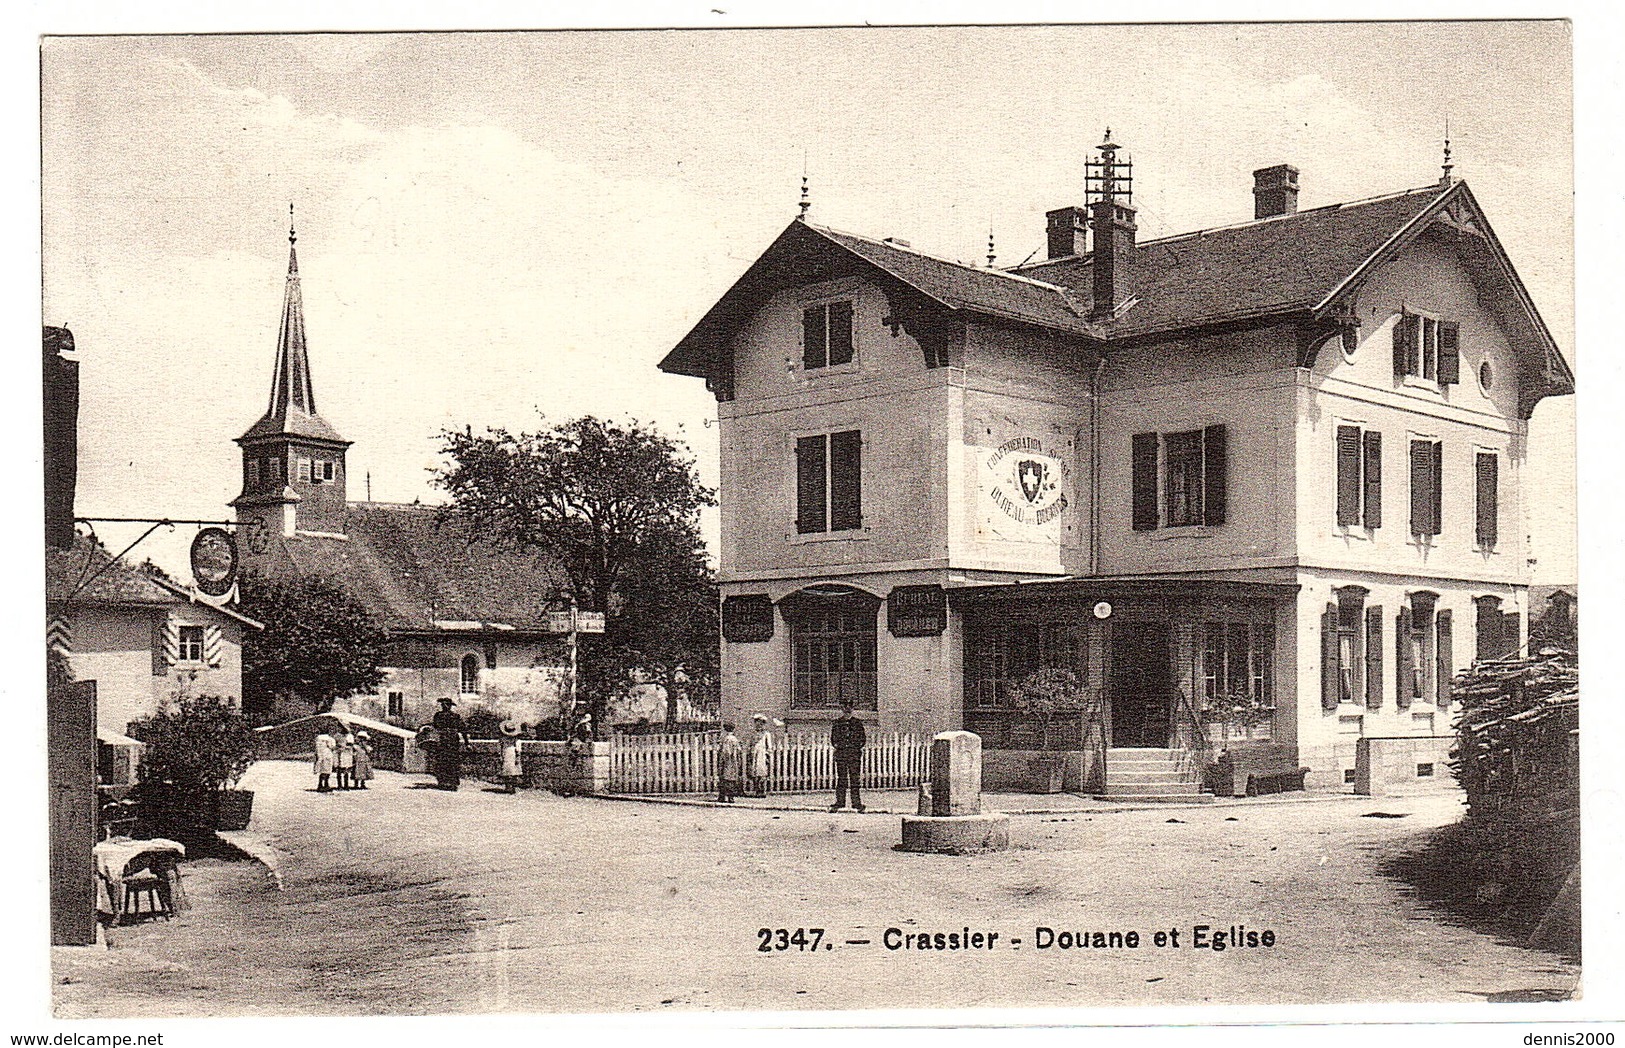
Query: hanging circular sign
x=1103 y=610
x=214 y=561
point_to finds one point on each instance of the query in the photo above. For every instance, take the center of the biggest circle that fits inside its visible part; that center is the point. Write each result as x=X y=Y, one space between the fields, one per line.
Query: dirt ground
x=408 y=900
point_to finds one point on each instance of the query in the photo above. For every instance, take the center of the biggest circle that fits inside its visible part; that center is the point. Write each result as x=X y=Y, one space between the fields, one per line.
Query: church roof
x=292 y=409
x=418 y=572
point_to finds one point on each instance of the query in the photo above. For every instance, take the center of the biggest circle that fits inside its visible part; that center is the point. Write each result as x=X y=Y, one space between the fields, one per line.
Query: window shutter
x=1488 y=477
x=1348 y=475
x=1436 y=491
x=813 y=352
x=212 y=646
x=1404 y=341
x=1145 y=482
x=1406 y=670
x=846 y=480
x=1488 y=627
x=1511 y=635
x=1373 y=658
x=1373 y=479
x=840 y=332
x=810 y=455
x=160 y=647
x=1445 y=644
x=1449 y=353
x=1421 y=460
x=1215 y=460
x=1331 y=674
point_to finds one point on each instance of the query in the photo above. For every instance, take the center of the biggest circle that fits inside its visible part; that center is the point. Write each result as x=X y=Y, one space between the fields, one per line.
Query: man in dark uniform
x=846 y=734
x=448 y=753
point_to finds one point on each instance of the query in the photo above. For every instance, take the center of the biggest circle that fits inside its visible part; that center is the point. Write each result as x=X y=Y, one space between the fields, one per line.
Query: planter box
x=233 y=809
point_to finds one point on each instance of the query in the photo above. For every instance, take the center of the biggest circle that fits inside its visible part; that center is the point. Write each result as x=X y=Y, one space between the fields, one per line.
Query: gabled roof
x=415 y=571
x=805 y=253
x=88 y=574
x=1268 y=266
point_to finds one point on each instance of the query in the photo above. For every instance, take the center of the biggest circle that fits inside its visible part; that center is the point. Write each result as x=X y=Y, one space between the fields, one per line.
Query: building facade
x=464 y=619
x=1275 y=466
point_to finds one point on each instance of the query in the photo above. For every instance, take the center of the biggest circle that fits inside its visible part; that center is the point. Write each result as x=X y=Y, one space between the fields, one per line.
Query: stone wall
x=548 y=765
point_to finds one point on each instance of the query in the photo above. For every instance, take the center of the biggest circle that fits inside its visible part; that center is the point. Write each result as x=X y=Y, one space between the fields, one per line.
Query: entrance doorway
x=1141 y=684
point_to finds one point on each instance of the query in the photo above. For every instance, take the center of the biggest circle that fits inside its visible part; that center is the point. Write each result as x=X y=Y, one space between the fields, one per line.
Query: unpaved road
x=409 y=900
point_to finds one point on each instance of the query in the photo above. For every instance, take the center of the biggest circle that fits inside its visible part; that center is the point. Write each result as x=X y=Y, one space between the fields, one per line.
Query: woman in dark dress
x=448 y=752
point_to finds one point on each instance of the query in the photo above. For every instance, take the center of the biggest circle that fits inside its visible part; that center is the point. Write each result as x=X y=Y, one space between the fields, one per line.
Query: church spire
x=292 y=407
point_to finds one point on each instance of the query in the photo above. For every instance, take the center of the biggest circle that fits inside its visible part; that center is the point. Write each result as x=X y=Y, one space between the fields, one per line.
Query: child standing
x=730 y=766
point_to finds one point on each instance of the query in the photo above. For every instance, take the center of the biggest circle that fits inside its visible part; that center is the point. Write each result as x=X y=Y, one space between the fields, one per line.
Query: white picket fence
x=800 y=763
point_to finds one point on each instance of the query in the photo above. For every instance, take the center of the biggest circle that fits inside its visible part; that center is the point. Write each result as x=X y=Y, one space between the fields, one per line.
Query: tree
x=319 y=643
x=617 y=505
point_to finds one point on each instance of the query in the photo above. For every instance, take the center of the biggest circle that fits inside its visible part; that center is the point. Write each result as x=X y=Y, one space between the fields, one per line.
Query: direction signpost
x=574 y=622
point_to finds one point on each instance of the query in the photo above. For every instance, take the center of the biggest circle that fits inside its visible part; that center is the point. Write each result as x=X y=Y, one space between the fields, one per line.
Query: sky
x=497 y=225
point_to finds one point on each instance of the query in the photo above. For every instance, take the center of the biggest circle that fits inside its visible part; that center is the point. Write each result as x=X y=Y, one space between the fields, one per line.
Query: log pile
x=1518 y=734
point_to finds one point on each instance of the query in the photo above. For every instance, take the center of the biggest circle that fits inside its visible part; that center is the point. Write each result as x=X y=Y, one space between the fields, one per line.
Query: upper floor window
x=829 y=482
x=321 y=471
x=826 y=334
x=1190 y=468
x=1487 y=479
x=191 y=644
x=273 y=469
x=1359 y=477
x=253 y=467
x=396 y=708
x=1427 y=486
x=1427 y=348
x=470 y=675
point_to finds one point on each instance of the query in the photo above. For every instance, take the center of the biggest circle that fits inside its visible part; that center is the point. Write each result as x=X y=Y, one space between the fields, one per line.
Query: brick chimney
x=1275 y=191
x=1067 y=236
x=1114 y=229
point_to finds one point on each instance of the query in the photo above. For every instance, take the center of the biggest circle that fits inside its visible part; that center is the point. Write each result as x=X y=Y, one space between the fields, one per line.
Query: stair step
x=1121 y=774
x=1182 y=798
x=1139 y=786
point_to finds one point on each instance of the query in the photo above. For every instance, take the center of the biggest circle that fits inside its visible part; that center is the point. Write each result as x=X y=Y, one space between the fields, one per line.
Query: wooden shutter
x=814 y=353
x=1511 y=635
x=1404 y=344
x=1436 y=491
x=1445 y=645
x=1348 y=474
x=810 y=464
x=846 y=480
x=1487 y=627
x=1421 y=462
x=212 y=645
x=160 y=645
x=1449 y=353
x=1405 y=672
x=1215 y=483
x=840 y=332
x=1373 y=479
x=1145 y=482
x=1373 y=657
x=1488 y=483
x=1331 y=674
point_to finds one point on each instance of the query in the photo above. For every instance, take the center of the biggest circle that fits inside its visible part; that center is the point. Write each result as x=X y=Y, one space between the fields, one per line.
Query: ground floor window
x=470 y=675
x=1002 y=654
x=1236 y=668
x=833 y=649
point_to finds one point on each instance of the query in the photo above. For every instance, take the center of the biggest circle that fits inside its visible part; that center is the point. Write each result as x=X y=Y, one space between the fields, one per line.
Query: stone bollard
x=956 y=824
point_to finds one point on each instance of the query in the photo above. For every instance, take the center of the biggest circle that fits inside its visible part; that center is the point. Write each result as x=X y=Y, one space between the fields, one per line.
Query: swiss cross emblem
x=1030 y=473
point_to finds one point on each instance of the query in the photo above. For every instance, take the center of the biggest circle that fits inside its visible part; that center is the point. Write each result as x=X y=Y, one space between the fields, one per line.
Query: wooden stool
x=154 y=889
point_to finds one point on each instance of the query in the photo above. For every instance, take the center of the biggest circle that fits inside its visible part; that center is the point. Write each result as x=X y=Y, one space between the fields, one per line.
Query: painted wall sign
x=917 y=611
x=1027 y=481
x=214 y=561
x=747 y=619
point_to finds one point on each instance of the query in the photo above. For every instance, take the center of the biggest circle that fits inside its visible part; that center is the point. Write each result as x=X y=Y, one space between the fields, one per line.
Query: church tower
x=293 y=461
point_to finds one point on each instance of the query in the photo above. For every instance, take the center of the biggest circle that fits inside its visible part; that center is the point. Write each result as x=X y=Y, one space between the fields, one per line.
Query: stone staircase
x=1144 y=774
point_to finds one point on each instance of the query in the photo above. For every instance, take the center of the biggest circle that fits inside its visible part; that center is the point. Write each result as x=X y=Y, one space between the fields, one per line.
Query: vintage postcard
x=810 y=525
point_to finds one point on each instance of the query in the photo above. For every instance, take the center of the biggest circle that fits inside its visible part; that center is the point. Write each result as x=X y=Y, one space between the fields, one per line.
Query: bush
x=1048 y=693
x=202 y=744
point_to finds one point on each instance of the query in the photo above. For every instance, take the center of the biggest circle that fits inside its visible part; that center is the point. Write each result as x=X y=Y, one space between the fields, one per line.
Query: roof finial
x=292 y=238
x=806 y=202
x=990 y=255
x=1446 y=179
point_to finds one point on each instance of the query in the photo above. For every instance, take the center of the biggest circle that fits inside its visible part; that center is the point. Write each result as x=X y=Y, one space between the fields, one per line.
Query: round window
x=1486 y=376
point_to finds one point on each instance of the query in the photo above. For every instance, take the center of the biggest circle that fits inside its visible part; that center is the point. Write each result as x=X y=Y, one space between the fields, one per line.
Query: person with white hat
x=363 y=759
x=512 y=770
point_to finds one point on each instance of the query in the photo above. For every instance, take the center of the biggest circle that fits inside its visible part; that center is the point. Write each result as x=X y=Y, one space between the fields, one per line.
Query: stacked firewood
x=1518 y=733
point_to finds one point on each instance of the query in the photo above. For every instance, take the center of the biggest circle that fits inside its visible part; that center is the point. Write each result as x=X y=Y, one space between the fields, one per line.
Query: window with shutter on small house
x=1427 y=348
x=826 y=335
x=1487 y=478
x=1427 y=484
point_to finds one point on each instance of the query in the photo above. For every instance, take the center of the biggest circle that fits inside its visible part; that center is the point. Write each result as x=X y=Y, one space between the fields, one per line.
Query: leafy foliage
x=319 y=643
x=1048 y=693
x=617 y=505
x=200 y=744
